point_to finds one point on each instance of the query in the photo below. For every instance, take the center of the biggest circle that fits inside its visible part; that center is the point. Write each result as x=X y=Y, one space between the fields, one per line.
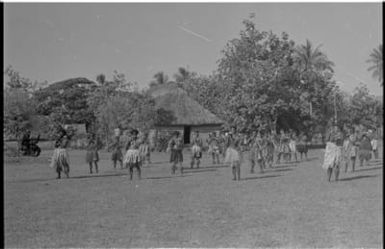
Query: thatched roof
x=184 y=109
x=80 y=81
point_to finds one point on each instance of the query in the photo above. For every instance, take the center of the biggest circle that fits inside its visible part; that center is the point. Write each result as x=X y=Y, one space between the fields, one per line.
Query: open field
x=291 y=205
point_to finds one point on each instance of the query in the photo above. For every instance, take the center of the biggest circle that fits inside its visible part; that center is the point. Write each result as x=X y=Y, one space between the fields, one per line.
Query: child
x=144 y=149
x=350 y=151
x=60 y=157
x=175 y=145
x=284 y=149
x=233 y=154
x=92 y=156
x=374 y=143
x=214 y=148
x=117 y=153
x=268 y=151
x=302 y=147
x=364 y=150
x=132 y=157
x=196 y=150
x=257 y=153
x=293 y=146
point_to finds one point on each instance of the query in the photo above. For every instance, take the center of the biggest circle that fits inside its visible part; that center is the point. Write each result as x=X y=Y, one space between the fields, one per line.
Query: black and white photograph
x=193 y=124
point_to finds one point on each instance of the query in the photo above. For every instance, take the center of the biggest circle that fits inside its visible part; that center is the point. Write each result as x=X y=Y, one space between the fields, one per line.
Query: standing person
x=350 y=150
x=257 y=153
x=333 y=152
x=92 y=155
x=25 y=142
x=144 y=149
x=132 y=157
x=374 y=143
x=196 y=150
x=222 y=143
x=214 y=148
x=293 y=146
x=251 y=147
x=364 y=149
x=117 y=152
x=60 y=158
x=233 y=154
x=175 y=145
x=302 y=146
x=268 y=153
x=284 y=149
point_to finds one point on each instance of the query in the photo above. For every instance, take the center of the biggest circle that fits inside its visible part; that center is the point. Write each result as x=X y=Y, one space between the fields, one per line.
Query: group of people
x=345 y=147
x=231 y=147
x=137 y=152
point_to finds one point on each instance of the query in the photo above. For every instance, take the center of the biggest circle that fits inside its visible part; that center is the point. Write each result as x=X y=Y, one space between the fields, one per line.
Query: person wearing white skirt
x=333 y=153
x=196 y=150
x=293 y=146
x=60 y=158
x=132 y=158
x=233 y=154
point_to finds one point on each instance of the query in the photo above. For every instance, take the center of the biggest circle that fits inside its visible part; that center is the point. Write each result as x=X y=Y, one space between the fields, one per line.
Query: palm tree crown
x=375 y=59
x=309 y=58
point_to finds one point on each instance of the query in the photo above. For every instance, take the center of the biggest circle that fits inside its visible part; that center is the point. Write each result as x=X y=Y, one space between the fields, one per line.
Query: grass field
x=291 y=205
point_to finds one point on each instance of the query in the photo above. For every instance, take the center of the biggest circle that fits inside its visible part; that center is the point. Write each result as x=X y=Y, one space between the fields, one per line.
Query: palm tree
x=310 y=60
x=160 y=79
x=182 y=75
x=101 y=79
x=376 y=64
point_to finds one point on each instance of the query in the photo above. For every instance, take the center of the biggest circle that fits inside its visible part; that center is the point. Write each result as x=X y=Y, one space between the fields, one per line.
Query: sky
x=57 y=41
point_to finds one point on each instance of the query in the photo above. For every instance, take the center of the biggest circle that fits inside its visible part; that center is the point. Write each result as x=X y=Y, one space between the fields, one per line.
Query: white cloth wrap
x=333 y=156
x=131 y=156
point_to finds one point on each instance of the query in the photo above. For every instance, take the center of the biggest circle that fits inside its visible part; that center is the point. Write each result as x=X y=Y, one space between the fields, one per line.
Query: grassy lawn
x=291 y=205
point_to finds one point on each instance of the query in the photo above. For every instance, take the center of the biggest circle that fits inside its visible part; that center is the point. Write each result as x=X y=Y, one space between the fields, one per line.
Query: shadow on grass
x=357 y=177
x=287 y=163
x=283 y=166
x=259 y=177
x=188 y=170
x=216 y=166
x=161 y=162
x=278 y=170
x=309 y=159
x=366 y=169
x=64 y=178
x=164 y=177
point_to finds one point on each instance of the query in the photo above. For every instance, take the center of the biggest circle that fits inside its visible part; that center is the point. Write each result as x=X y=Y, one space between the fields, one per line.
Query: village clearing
x=291 y=205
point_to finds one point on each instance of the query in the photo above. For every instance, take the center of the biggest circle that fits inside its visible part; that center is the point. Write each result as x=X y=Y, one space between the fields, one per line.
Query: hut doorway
x=186 y=134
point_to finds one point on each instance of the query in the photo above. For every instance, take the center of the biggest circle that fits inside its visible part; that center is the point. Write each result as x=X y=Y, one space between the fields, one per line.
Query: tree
x=182 y=75
x=160 y=79
x=312 y=65
x=376 y=64
x=115 y=103
x=365 y=108
x=19 y=106
x=66 y=101
x=18 y=110
x=16 y=81
x=261 y=84
x=310 y=59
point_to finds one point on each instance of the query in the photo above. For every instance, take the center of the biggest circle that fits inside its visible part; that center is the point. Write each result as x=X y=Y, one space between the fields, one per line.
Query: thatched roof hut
x=79 y=81
x=187 y=115
x=185 y=110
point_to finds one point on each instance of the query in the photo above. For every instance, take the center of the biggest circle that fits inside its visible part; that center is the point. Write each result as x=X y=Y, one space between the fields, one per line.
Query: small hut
x=182 y=113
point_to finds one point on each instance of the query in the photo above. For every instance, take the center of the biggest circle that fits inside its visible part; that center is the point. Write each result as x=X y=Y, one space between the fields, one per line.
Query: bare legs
x=174 y=168
x=96 y=166
x=236 y=168
x=137 y=166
